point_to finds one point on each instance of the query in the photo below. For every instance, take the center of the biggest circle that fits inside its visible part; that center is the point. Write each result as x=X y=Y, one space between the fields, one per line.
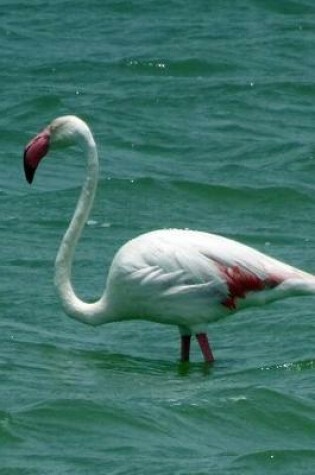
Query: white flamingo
x=179 y=277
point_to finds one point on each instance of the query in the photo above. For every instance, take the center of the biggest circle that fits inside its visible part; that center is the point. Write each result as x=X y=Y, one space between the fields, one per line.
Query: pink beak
x=34 y=151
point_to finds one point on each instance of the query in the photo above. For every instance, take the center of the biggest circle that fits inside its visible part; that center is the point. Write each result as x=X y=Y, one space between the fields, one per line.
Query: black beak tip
x=28 y=171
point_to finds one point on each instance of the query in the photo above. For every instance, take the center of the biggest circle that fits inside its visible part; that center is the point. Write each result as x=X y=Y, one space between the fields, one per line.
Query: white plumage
x=179 y=277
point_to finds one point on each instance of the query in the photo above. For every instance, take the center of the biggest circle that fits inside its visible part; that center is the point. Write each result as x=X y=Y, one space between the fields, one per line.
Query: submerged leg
x=185 y=347
x=205 y=347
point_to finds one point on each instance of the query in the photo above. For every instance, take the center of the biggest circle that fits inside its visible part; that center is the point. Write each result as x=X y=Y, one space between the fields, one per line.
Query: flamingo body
x=179 y=277
x=190 y=278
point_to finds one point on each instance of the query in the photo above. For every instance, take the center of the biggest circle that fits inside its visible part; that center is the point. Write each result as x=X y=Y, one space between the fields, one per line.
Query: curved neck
x=91 y=313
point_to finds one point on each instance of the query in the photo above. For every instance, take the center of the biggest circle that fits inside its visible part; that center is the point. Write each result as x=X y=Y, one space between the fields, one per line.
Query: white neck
x=90 y=313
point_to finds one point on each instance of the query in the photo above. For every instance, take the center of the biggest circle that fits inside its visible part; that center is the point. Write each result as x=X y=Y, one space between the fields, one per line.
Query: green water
x=204 y=116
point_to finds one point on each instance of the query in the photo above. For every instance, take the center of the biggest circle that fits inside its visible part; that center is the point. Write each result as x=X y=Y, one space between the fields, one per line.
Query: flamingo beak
x=34 y=151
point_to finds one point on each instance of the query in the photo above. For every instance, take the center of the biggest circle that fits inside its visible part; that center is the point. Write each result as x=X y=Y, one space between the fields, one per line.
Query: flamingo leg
x=203 y=341
x=185 y=347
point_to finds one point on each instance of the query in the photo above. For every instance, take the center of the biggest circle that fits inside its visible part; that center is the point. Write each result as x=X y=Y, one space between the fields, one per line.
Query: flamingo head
x=63 y=131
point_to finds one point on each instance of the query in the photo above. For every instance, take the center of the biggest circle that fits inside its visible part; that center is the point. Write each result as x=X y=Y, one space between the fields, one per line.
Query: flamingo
x=170 y=276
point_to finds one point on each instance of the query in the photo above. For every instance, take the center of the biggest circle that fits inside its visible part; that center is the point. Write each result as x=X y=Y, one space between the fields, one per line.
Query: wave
x=186 y=67
x=275 y=459
x=208 y=189
x=280 y=194
x=7 y=432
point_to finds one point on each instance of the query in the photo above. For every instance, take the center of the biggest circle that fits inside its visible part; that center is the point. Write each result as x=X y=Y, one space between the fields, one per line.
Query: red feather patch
x=241 y=281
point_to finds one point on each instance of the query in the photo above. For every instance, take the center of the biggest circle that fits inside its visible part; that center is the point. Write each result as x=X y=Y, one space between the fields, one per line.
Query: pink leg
x=205 y=347
x=185 y=349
